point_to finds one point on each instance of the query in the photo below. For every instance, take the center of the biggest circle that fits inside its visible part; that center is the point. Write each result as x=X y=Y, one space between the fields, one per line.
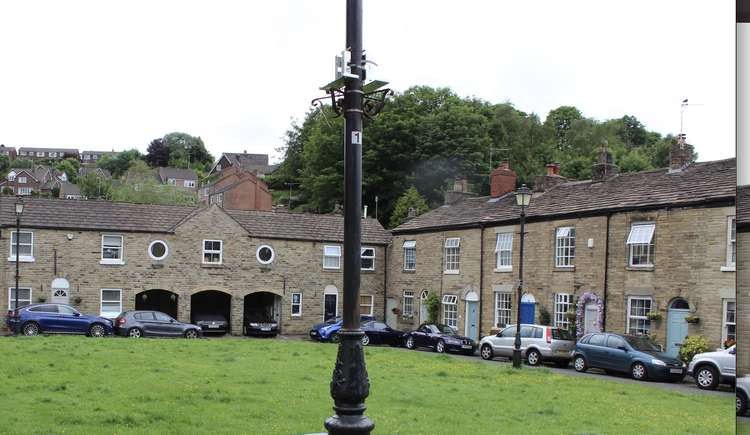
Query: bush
x=433 y=307
x=691 y=346
x=544 y=317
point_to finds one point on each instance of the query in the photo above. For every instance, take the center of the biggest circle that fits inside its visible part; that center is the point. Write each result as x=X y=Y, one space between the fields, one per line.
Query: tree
x=152 y=192
x=118 y=164
x=560 y=121
x=157 y=154
x=410 y=199
x=93 y=186
x=4 y=165
x=70 y=168
x=23 y=164
x=184 y=148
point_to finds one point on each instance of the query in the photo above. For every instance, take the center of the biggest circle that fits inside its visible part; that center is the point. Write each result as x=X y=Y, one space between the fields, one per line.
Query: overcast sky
x=115 y=75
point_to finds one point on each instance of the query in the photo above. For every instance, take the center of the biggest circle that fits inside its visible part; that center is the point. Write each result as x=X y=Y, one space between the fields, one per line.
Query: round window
x=158 y=250
x=265 y=254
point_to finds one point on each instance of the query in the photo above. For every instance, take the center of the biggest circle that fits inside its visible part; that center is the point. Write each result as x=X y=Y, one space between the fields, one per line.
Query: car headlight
x=658 y=362
x=253 y=325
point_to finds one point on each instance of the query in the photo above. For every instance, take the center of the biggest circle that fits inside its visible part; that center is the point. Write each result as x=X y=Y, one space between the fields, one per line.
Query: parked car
x=142 y=323
x=257 y=322
x=441 y=338
x=380 y=333
x=709 y=369
x=539 y=344
x=212 y=323
x=35 y=319
x=633 y=354
x=327 y=330
x=742 y=391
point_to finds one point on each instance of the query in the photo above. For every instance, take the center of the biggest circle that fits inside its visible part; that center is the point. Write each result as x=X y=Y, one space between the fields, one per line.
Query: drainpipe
x=385 y=283
x=606 y=275
x=481 y=279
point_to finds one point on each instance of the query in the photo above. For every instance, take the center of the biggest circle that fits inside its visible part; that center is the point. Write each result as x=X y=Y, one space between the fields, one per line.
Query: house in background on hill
x=9 y=152
x=47 y=153
x=256 y=163
x=26 y=181
x=95 y=156
x=237 y=189
x=185 y=178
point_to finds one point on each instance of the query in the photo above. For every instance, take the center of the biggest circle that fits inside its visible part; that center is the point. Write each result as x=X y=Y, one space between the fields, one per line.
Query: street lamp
x=19 y=212
x=523 y=198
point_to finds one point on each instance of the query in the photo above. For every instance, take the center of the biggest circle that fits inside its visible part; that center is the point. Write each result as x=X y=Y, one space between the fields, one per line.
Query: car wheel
x=741 y=404
x=579 y=363
x=486 y=352
x=191 y=333
x=135 y=333
x=365 y=340
x=440 y=346
x=638 y=371
x=707 y=378
x=410 y=343
x=31 y=329
x=533 y=357
x=97 y=331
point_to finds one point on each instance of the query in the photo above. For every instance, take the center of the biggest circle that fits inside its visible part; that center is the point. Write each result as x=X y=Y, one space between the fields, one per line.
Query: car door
x=595 y=350
x=727 y=362
x=71 y=320
x=503 y=343
x=167 y=324
x=420 y=336
x=148 y=323
x=381 y=332
x=47 y=317
x=616 y=357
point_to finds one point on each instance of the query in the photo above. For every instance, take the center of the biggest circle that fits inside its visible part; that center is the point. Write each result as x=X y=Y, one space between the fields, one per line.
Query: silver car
x=712 y=368
x=539 y=343
x=743 y=394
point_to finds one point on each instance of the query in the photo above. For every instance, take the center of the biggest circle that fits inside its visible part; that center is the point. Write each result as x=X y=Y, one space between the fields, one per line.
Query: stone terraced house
x=104 y=257
x=646 y=253
x=743 y=280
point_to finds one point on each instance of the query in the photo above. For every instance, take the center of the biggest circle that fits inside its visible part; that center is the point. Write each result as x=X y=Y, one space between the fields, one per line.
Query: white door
x=590 y=317
x=390 y=317
x=60 y=291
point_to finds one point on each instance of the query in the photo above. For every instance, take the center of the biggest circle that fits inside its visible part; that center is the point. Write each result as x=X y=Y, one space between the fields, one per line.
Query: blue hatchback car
x=326 y=331
x=57 y=319
x=633 y=354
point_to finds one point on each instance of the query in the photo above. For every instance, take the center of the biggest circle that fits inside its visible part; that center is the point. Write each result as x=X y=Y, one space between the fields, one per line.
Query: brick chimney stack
x=552 y=168
x=502 y=180
x=550 y=179
x=459 y=192
x=679 y=155
x=604 y=168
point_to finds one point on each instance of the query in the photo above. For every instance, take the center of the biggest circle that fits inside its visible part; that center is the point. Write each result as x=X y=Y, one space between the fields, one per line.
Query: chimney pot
x=502 y=180
x=679 y=155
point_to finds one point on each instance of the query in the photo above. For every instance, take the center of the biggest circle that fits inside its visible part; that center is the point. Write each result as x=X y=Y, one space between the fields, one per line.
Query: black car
x=380 y=333
x=441 y=338
x=212 y=323
x=257 y=322
x=137 y=324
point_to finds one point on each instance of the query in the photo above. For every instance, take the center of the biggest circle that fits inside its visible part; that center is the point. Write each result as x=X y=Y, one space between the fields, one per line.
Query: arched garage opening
x=157 y=300
x=210 y=309
x=261 y=311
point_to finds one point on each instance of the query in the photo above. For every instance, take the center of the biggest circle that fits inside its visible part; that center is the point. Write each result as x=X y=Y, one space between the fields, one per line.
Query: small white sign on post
x=356 y=137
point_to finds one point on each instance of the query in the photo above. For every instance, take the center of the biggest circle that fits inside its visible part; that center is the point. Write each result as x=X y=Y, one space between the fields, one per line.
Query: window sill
x=367 y=270
x=330 y=269
x=22 y=259
x=409 y=271
x=450 y=272
x=112 y=263
x=212 y=266
x=640 y=268
x=564 y=269
x=728 y=268
x=504 y=269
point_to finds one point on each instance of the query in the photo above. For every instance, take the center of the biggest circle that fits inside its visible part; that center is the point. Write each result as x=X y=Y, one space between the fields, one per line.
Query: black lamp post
x=19 y=212
x=523 y=198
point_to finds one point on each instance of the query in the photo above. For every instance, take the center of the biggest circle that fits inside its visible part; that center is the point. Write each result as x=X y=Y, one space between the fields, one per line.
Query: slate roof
x=126 y=217
x=47 y=150
x=68 y=188
x=251 y=162
x=743 y=206
x=704 y=182
x=303 y=226
x=84 y=170
x=165 y=173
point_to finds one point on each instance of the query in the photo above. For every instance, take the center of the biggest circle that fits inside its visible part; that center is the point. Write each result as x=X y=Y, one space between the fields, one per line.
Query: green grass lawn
x=80 y=385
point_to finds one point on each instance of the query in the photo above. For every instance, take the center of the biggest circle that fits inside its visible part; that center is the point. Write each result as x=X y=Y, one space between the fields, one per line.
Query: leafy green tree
x=23 y=164
x=184 y=148
x=118 y=164
x=433 y=307
x=158 y=153
x=70 y=168
x=93 y=186
x=410 y=199
x=560 y=120
x=4 y=165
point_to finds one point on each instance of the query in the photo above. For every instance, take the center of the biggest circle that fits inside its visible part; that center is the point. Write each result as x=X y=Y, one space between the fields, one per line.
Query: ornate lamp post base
x=350 y=387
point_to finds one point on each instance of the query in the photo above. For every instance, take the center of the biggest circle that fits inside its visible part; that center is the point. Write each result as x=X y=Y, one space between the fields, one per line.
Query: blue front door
x=677 y=330
x=527 y=312
x=471 y=320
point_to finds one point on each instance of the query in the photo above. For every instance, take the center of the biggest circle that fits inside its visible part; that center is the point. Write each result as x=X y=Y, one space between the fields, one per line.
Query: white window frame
x=23 y=153
x=172 y=181
x=563 y=304
x=565 y=247
x=22 y=180
x=407 y=301
x=410 y=255
x=504 y=245
x=635 y=241
x=296 y=304
x=337 y=256
x=120 y=260
x=188 y=183
x=205 y=251
x=450 y=306
x=40 y=153
x=503 y=308
x=23 y=258
x=644 y=317
x=371 y=305
x=166 y=250
x=452 y=255
x=11 y=176
x=108 y=314
x=12 y=299
x=363 y=256
x=725 y=323
x=731 y=260
x=87 y=157
x=257 y=254
x=25 y=191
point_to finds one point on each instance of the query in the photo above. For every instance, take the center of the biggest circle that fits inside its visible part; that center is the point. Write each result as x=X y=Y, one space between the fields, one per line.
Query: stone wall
x=743 y=303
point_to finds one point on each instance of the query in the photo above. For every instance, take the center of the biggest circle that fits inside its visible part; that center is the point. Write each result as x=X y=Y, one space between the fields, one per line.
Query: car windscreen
x=643 y=344
x=447 y=330
x=561 y=334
